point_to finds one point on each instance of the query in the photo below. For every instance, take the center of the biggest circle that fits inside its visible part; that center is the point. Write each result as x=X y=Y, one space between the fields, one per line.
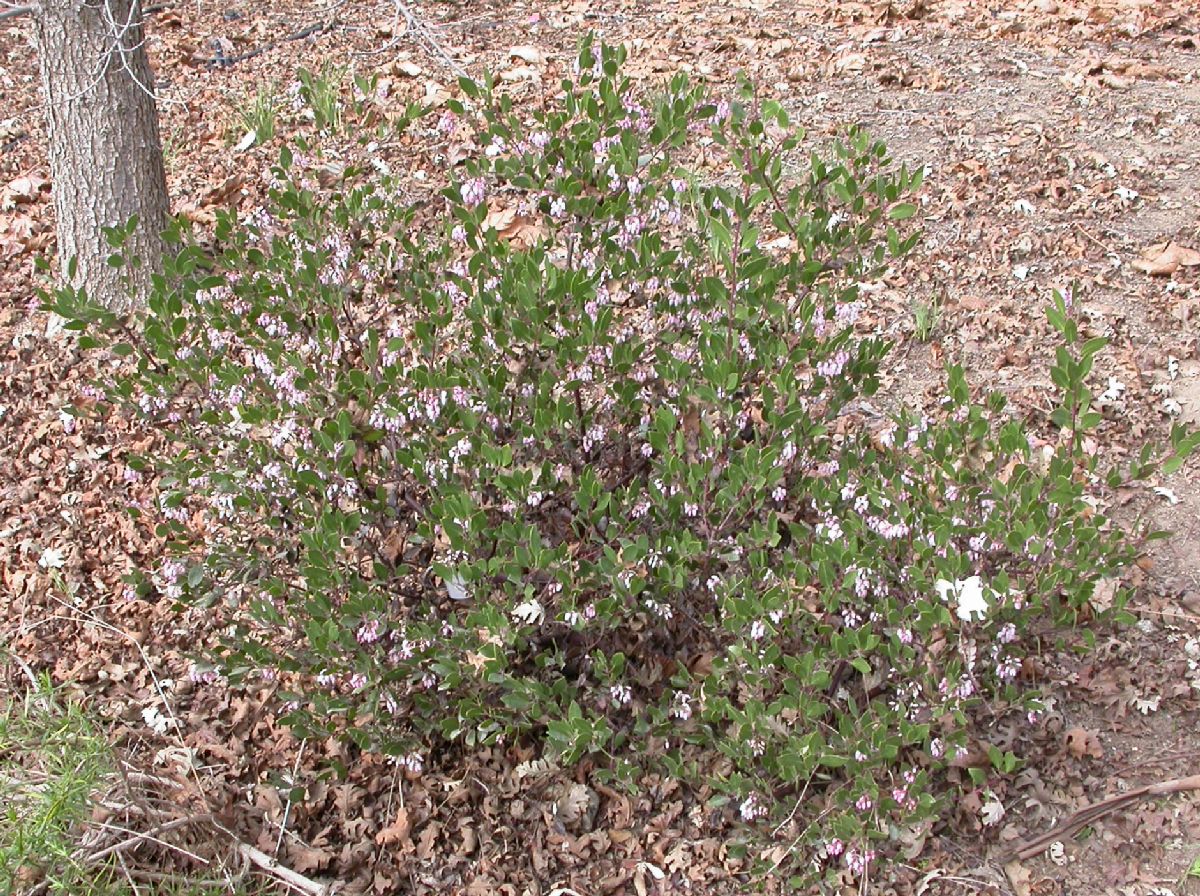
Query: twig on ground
x=33 y=682
x=1108 y=250
x=172 y=877
x=175 y=727
x=422 y=32
x=1096 y=811
x=249 y=854
x=150 y=836
x=137 y=777
x=287 y=810
x=306 y=31
x=272 y=867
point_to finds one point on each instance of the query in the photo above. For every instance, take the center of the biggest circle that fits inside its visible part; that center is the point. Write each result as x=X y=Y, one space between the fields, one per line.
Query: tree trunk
x=106 y=161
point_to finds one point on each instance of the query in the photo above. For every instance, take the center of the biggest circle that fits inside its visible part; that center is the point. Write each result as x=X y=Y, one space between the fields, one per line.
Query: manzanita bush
x=582 y=459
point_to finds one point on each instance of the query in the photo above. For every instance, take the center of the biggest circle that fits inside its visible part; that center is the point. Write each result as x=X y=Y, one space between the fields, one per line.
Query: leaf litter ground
x=1062 y=147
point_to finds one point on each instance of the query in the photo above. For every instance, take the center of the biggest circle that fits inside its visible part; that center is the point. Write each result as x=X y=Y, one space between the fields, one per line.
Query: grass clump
x=258 y=114
x=53 y=760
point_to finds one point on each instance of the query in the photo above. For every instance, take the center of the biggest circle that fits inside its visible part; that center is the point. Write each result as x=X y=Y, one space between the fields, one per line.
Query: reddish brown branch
x=1096 y=811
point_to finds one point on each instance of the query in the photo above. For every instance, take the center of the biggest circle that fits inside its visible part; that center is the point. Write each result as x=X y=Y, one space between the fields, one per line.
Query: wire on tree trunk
x=11 y=12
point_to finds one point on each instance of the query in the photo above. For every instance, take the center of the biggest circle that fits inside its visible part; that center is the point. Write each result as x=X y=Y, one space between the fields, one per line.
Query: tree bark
x=106 y=161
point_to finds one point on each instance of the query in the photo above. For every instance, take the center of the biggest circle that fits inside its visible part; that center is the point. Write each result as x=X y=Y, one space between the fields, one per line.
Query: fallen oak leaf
x=1148 y=72
x=1164 y=259
x=396 y=833
x=407 y=68
x=499 y=219
x=521 y=230
x=527 y=232
x=1081 y=742
x=428 y=839
x=1019 y=877
x=24 y=190
x=520 y=73
x=577 y=805
x=306 y=858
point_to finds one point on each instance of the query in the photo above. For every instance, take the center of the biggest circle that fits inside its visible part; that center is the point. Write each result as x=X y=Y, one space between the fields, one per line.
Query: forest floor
x=1062 y=139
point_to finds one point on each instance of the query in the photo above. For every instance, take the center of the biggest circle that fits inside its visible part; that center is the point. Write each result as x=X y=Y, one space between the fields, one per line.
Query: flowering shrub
x=586 y=462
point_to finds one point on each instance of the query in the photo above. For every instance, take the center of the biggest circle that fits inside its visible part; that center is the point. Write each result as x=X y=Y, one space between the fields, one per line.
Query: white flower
x=968 y=595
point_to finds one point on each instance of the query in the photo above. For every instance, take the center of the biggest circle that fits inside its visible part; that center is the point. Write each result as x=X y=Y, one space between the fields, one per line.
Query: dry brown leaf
x=330 y=174
x=397 y=833
x=1081 y=742
x=528 y=53
x=392 y=547
x=428 y=839
x=691 y=429
x=1149 y=72
x=912 y=840
x=220 y=194
x=520 y=73
x=520 y=230
x=24 y=189
x=528 y=232
x=20 y=235
x=577 y=805
x=1164 y=259
x=1103 y=594
x=406 y=68
x=974 y=303
x=470 y=840
x=457 y=153
x=851 y=62
x=499 y=219
x=1019 y=877
x=304 y=859
x=969 y=806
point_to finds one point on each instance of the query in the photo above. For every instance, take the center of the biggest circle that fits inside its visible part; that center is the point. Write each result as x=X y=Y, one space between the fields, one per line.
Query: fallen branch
x=272 y=867
x=1094 y=812
x=221 y=61
x=422 y=31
